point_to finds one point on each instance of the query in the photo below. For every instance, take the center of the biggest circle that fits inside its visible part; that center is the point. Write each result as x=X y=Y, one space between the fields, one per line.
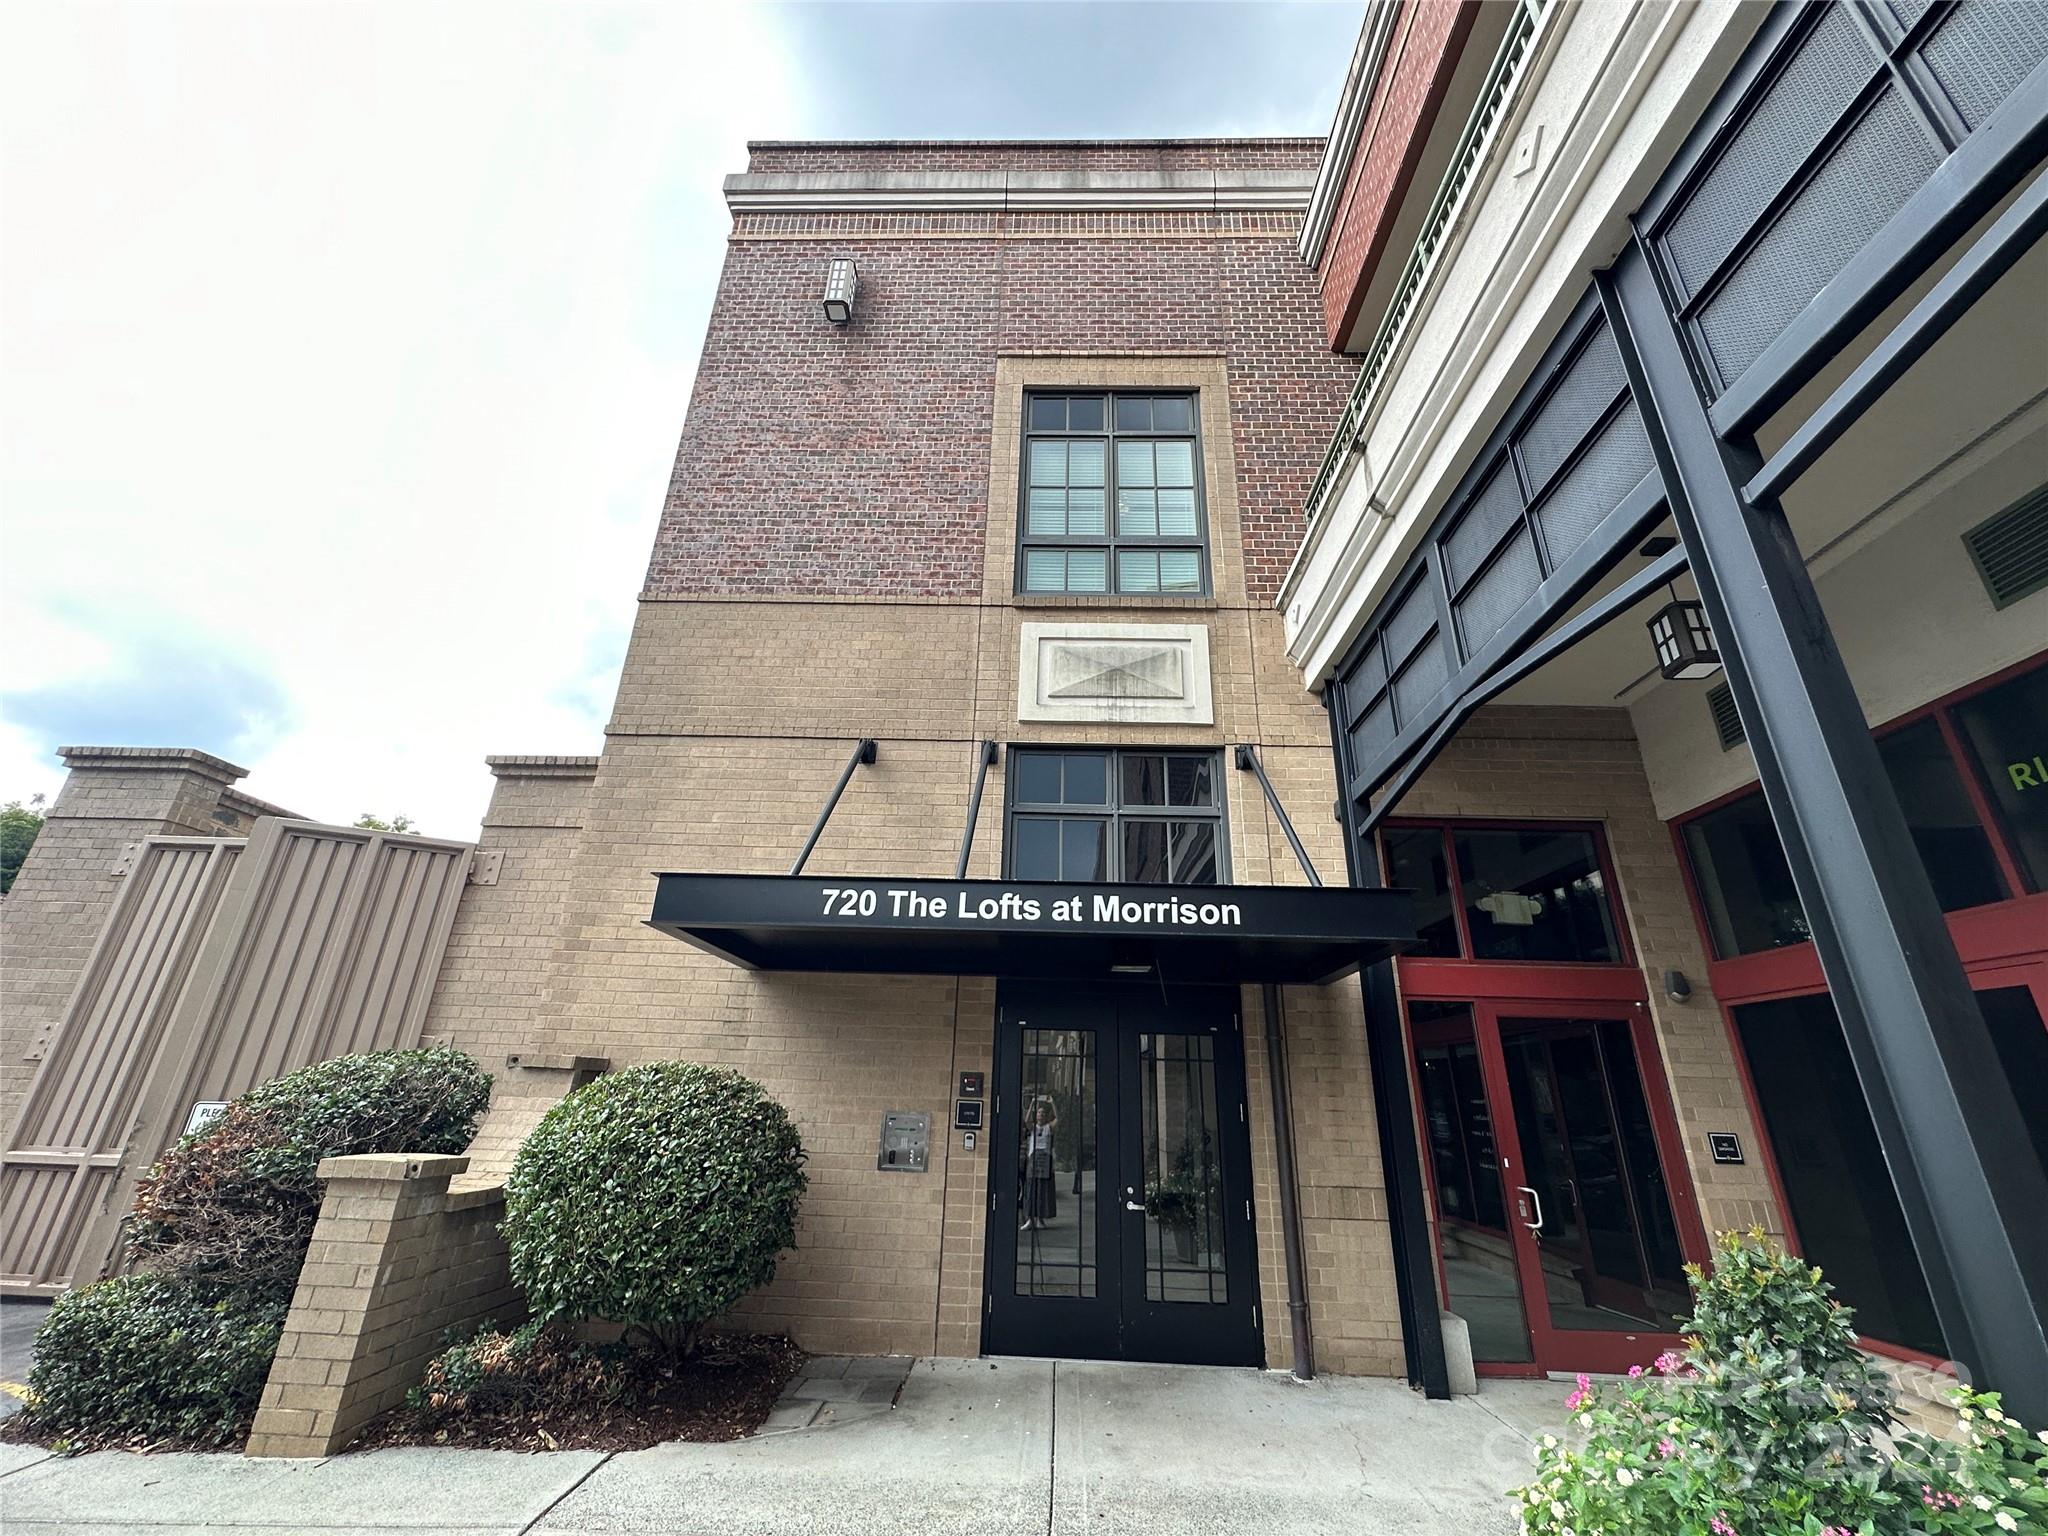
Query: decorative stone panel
x=1130 y=673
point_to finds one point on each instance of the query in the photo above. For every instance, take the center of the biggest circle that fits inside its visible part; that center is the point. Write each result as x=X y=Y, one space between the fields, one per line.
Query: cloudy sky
x=344 y=347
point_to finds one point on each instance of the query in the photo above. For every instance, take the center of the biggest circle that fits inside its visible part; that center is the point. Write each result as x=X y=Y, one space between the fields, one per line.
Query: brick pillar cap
x=189 y=759
x=393 y=1166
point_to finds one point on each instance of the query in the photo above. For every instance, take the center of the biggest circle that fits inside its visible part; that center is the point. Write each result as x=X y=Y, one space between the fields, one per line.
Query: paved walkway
x=983 y=1448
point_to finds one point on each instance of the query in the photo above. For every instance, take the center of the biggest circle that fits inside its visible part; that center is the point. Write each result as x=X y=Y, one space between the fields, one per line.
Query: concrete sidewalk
x=989 y=1448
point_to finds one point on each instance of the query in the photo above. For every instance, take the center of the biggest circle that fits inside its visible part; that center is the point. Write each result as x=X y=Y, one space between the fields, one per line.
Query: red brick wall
x=1421 y=56
x=819 y=459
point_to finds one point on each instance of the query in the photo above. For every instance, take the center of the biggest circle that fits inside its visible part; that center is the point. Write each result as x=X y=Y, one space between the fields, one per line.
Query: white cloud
x=353 y=342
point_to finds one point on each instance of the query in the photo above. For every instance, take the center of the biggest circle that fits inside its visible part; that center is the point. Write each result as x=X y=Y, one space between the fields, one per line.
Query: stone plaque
x=1121 y=672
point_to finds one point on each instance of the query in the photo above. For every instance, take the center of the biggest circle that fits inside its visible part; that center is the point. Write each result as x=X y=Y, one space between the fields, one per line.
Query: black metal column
x=1947 y=1120
x=1386 y=1049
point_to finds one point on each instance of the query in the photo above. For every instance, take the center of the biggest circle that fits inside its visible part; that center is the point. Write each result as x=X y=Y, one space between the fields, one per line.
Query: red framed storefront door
x=1565 y=1211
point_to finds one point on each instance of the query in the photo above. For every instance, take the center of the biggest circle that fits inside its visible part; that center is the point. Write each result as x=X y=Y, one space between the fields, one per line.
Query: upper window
x=1153 y=818
x=1112 y=495
x=1531 y=893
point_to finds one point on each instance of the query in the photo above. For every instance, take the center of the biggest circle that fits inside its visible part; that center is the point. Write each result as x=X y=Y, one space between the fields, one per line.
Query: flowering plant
x=1772 y=1422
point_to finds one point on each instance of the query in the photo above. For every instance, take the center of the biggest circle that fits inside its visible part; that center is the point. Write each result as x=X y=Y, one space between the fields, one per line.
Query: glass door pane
x=1185 y=1256
x=1056 y=1211
x=1607 y=1243
x=1474 y=1245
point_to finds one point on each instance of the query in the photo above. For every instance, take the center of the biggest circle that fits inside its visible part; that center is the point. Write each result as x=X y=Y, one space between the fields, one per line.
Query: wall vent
x=1727 y=724
x=2011 y=550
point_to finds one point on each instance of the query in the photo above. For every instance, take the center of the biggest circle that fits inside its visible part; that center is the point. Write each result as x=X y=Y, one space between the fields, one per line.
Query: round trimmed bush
x=151 y=1357
x=656 y=1197
x=239 y=1198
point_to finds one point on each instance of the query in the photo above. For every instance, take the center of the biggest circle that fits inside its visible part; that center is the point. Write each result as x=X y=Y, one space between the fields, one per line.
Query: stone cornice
x=1211 y=191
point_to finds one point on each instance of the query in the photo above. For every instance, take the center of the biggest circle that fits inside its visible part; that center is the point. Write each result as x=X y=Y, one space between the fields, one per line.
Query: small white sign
x=204 y=1113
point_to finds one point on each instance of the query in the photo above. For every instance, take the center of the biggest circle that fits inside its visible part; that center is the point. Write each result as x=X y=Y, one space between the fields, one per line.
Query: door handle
x=1535 y=1226
x=1135 y=1205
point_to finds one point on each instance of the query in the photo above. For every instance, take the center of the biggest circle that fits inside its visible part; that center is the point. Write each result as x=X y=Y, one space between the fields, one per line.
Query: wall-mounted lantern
x=840 y=281
x=1685 y=644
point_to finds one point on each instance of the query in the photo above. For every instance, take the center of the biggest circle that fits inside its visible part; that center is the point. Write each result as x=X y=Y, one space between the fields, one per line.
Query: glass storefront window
x=1528 y=893
x=1745 y=885
x=1952 y=841
x=1834 y=1178
x=2006 y=729
x=1534 y=894
x=1416 y=861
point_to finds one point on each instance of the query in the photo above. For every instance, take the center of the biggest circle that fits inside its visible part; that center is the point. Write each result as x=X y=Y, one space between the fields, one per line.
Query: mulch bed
x=722 y=1394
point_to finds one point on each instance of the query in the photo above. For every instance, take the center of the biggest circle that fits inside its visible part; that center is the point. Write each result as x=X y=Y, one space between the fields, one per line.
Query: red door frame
x=2003 y=943
x=1559 y=989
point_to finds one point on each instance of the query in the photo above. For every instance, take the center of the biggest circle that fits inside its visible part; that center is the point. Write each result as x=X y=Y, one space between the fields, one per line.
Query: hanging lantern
x=1685 y=643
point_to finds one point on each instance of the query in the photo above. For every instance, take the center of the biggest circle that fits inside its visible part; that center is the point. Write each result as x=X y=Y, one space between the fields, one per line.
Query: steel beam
x=1666 y=567
x=1947 y=1120
x=2016 y=232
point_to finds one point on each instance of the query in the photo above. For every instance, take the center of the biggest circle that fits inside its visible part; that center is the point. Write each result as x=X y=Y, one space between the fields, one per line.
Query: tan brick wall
x=112 y=796
x=733 y=720
x=489 y=991
x=395 y=1262
x=1585 y=765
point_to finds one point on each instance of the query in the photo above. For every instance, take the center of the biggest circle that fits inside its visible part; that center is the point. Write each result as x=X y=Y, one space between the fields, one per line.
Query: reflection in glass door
x=1185 y=1248
x=1056 y=1165
x=1604 y=1239
x=1475 y=1250
x=1551 y=1182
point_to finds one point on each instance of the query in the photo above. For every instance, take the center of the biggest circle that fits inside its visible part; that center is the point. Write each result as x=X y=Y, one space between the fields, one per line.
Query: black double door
x=1120 y=1207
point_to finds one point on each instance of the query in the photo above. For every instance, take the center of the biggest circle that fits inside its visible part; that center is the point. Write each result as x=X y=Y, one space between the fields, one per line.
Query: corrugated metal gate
x=223 y=963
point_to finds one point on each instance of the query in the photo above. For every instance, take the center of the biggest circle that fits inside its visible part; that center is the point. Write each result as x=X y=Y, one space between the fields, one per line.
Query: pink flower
x=1635 y=1371
x=1579 y=1395
x=1666 y=1449
x=1720 y=1527
x=1669 y=1361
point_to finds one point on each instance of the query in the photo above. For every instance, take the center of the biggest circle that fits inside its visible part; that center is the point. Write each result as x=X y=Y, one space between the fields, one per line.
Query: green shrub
x=239 y=1198
x=180 y=1350
x=656 y=1198
x=151 y=1357
x=1774 y=1421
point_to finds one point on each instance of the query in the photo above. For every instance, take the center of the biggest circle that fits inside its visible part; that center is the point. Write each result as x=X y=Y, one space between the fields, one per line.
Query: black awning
x=1225 y=933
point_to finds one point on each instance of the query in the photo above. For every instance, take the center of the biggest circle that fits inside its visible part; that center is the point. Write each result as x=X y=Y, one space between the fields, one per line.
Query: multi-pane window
x=1150 y=817
x=1112 y=496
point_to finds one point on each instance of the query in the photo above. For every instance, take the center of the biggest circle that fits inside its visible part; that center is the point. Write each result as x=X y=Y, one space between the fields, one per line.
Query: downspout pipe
x=1290 y=1194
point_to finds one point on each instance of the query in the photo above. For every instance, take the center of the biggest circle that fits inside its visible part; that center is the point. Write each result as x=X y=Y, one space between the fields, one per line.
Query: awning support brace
x=985 y=759
x=1248 y=758
x=863 y=752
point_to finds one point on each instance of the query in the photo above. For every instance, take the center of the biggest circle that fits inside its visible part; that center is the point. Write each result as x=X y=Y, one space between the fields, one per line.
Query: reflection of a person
x=1041 y=1200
